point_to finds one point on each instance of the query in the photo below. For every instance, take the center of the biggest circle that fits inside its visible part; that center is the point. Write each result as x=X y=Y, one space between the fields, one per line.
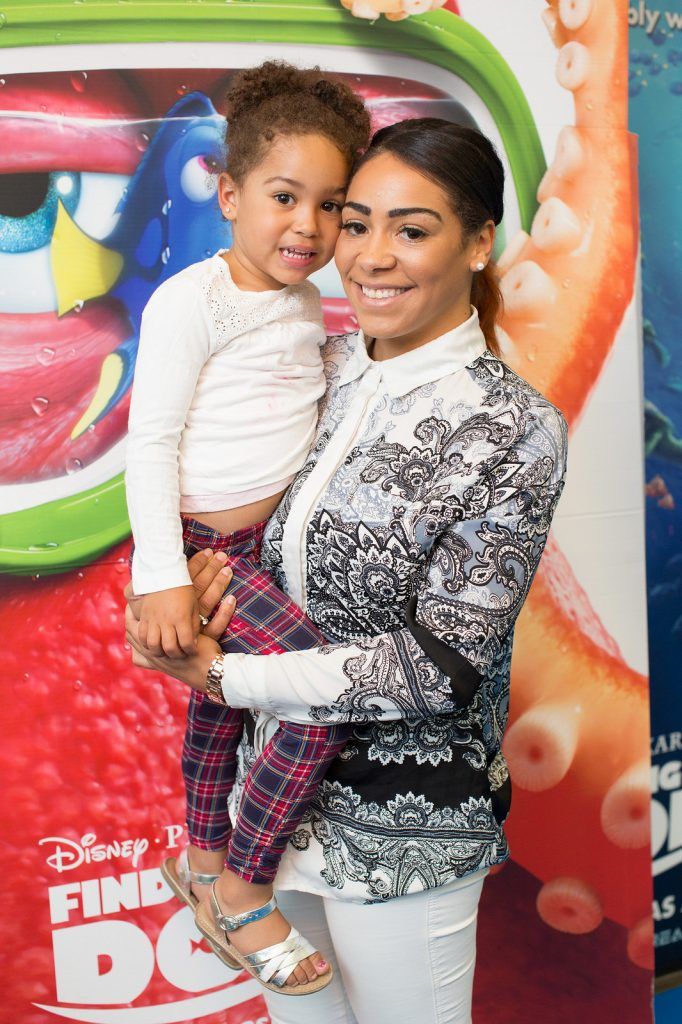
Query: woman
x=410 y=538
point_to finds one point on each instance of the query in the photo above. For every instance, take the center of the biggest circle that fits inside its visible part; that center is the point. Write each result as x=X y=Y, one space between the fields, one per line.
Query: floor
x=668 y=1007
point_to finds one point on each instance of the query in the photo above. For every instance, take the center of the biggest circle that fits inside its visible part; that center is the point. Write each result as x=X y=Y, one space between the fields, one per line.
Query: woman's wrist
x=214 y=680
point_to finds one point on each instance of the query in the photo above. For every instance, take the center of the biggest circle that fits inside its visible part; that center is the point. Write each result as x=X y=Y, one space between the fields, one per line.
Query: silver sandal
x=177 y=872
x=271 y=966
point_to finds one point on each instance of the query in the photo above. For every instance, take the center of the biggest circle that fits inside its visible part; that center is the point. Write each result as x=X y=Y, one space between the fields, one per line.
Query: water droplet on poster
x=73 y=466
x=39 y=405
x=79 y=80
x=45 y=356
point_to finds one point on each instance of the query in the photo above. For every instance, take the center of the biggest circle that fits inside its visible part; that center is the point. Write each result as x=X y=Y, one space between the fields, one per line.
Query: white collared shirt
x=410 y=538
x=393 y=378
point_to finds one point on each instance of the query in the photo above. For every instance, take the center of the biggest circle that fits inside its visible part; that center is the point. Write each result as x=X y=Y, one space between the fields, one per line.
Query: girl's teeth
x=296 y=255
x=381 y=293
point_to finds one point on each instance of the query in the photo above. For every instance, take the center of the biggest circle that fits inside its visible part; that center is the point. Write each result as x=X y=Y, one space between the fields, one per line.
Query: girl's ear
x=227 y=196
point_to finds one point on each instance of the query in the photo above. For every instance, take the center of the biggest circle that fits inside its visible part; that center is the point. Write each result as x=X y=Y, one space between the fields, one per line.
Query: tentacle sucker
x=569 y=905
x=555 y=227
x=540 y=745
x=573 y=66
x=625 y=811
x=527 y=290
x=574 y=13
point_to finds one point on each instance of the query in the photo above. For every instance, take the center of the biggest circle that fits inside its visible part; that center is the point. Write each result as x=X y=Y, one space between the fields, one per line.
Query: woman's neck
x=380 y=349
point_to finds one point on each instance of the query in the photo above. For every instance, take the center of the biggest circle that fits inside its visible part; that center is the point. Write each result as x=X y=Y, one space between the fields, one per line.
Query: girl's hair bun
x=277 y=98
x=254 y=86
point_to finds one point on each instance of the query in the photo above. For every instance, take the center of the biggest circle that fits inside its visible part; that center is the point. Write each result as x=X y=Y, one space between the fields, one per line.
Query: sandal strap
x=187 y=876
x=275 y=963
x=230 y=922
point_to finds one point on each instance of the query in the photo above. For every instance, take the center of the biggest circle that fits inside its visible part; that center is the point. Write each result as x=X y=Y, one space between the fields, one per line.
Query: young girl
x=223 y=412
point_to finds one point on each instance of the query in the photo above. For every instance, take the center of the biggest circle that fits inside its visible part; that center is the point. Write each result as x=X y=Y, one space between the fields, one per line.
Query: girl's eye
x=331 y=207
x=284 y=198
x=412 y=234
x=353 y=228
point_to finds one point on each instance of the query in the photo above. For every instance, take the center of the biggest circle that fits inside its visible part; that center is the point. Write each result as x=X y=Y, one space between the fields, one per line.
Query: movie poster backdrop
x=112 y=133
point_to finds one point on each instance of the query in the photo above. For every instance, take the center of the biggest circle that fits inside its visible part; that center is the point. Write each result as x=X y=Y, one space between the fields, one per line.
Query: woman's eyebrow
x=402 y=211
x=406 y=211
x=358 y=207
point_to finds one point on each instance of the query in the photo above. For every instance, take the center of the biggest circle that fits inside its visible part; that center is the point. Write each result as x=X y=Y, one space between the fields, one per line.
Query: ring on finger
x=203 y=620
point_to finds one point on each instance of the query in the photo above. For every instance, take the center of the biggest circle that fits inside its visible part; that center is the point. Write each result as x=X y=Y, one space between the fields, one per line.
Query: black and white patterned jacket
x=410 y=537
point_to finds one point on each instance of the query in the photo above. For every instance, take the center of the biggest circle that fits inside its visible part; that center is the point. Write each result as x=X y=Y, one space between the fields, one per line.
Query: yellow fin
x=109 y=379
x=82 y=268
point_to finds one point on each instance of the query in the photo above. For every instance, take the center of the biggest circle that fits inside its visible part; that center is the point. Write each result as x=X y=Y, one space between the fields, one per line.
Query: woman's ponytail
x=487 y=298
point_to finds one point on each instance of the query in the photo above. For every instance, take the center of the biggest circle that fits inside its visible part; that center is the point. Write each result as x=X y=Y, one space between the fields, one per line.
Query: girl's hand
x=169 y=622
x=191 y=670
x=210 y=576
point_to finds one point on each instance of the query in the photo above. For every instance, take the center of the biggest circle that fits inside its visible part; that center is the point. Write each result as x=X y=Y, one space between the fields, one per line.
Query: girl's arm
x=457 y=623
x=174 y=346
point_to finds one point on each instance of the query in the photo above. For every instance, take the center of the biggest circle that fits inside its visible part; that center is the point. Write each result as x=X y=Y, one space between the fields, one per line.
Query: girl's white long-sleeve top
x=223 y=409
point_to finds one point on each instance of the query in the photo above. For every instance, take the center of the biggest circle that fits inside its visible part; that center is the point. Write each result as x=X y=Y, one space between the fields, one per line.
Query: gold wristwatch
x=214 y=681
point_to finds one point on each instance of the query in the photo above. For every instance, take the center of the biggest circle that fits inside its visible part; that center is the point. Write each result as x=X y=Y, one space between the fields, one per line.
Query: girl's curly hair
x=276 y=98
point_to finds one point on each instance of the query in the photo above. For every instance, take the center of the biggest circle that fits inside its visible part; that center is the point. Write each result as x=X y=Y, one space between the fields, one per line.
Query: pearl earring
x=480 y=266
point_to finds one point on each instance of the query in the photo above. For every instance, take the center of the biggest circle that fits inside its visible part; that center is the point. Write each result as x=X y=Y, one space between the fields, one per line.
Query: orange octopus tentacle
x=578 y=741
x=567 y=285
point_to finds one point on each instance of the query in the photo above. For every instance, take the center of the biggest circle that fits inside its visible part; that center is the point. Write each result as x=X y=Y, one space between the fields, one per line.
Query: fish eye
x=28 y=207
x=29 y=202
x=199 y=179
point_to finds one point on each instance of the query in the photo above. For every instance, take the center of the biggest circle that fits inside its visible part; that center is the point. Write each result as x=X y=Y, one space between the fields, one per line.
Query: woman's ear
x=227 y=196
x=484 y=242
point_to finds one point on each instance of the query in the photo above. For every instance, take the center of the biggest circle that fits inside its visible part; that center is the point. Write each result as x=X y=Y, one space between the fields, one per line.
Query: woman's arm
x=458 y=623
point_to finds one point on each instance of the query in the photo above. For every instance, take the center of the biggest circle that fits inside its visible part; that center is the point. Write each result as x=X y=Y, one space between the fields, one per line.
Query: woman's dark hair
x=278 y=99
x=464 y=163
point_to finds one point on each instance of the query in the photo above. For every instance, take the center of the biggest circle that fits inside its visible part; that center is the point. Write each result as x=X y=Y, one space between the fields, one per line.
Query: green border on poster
x=68 y=532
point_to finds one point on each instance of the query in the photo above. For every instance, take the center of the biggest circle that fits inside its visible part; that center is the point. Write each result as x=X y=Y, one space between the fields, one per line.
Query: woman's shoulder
x=336 y=352
x=500 y=382
x=538 y=425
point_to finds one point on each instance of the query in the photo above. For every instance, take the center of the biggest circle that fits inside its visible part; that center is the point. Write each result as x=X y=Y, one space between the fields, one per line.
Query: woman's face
x=404 y=263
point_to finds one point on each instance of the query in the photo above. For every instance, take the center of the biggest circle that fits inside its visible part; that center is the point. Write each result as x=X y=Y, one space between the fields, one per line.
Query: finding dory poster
x=112 y=138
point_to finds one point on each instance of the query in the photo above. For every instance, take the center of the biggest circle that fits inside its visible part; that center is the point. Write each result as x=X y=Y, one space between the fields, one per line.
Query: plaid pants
x=284 y=778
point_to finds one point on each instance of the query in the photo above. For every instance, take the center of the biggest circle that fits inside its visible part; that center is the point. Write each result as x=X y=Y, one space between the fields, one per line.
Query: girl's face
x=402 y=257
x=286 y=213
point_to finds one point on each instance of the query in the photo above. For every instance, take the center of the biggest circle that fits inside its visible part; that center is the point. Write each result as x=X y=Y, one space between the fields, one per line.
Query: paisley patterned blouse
x=410 y=537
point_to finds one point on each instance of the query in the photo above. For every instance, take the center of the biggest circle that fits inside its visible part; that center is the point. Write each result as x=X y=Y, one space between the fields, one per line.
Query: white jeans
x=408 y=961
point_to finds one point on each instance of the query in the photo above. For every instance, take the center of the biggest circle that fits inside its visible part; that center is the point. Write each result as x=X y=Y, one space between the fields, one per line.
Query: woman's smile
x=375 y=294
x=404 y=260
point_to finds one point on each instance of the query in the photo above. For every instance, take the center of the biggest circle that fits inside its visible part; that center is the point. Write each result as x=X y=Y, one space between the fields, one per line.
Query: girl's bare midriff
x=230 y=519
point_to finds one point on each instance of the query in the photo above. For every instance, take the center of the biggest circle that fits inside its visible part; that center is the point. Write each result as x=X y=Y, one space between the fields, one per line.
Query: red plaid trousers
x=284 y=778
